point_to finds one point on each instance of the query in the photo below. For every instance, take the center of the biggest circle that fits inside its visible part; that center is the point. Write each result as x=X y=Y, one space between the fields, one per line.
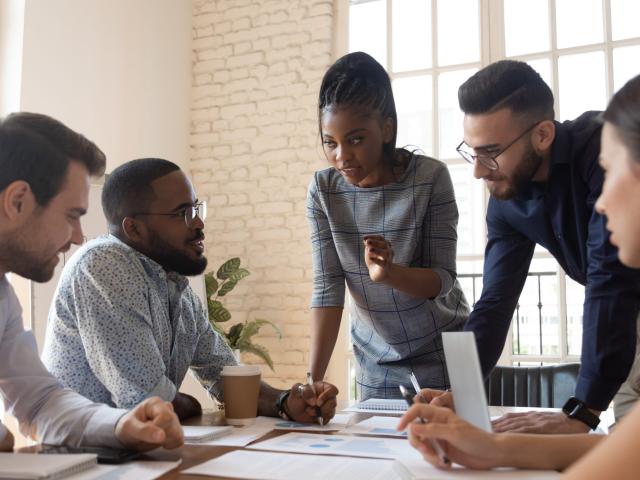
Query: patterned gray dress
x=393 y=333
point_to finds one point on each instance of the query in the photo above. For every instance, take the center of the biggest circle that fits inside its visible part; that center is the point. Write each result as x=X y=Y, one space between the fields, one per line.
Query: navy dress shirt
x=560 y=216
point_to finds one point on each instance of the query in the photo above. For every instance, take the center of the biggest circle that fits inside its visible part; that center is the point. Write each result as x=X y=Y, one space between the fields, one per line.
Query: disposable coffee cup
x=241 y=386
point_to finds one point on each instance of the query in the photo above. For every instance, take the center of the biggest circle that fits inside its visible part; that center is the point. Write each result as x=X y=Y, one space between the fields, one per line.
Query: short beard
x=173 y=260
x=522 y=175
x=14 y=258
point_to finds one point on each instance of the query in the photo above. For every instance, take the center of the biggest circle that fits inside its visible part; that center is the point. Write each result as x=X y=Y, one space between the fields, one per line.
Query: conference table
x=192 y=455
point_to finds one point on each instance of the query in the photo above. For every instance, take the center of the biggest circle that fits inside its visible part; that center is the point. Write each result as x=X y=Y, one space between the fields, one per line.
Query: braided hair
x=358 y=80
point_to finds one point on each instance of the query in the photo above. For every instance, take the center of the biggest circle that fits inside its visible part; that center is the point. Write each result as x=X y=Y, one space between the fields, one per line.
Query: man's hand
x=302 y=403
x=378 y=255
x=438 y=398
x=462 y=442
x=6 y=444
x=186 y=406
x=538 y=422
x=151 y=424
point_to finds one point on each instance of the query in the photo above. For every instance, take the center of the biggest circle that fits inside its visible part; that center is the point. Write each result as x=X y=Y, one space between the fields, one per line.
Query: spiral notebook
x=31 y=466
x=379 y=405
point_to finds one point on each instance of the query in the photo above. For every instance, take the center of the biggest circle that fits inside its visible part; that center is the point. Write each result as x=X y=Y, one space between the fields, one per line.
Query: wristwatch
x=575 y=408
x=281 y=401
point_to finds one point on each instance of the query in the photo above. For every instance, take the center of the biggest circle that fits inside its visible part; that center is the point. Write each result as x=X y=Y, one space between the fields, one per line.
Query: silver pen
x=313 y=389
x=434 y=443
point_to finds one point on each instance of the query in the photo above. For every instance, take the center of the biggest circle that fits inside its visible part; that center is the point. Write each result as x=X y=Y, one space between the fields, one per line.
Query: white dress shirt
x=44 y=409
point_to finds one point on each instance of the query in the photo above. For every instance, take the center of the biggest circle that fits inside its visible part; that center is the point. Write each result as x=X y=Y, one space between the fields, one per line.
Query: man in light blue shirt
x=125 y=325
x=44 y=189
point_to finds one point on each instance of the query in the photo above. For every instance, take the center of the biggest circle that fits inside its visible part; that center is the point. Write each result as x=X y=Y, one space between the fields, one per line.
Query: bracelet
x=280 y=404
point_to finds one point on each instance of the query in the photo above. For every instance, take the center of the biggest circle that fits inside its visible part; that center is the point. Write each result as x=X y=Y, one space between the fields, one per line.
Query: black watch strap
x=281 y=401
x=576 y=408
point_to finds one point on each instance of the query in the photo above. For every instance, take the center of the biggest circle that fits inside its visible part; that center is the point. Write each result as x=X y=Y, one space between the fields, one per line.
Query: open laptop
x=467 y=385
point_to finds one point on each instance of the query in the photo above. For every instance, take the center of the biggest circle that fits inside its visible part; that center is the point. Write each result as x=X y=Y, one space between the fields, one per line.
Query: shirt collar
x=154 y=269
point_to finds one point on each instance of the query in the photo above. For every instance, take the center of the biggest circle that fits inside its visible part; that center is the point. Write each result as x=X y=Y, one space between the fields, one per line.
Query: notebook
x=31 y=466
x=467 y=385
x=380 y=405
x=204 y=434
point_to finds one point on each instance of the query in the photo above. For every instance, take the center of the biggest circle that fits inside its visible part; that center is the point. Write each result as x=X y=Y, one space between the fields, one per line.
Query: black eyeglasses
x=488 y=160
x=199 y=210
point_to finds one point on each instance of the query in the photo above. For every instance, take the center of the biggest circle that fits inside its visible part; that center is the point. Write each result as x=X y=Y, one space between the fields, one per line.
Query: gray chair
x=547 y=387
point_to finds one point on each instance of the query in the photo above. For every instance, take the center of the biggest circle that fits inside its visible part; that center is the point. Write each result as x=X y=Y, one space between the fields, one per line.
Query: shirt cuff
x=165 y=389
x=596 y=393
x=101 y=428
x=446 y=281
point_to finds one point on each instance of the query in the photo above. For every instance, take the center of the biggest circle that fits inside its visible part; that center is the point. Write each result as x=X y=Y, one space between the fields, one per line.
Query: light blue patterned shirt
x=121 y=329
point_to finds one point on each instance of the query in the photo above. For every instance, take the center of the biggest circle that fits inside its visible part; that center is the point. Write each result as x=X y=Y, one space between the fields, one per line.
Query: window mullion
x=608 y=51
x=435 y=63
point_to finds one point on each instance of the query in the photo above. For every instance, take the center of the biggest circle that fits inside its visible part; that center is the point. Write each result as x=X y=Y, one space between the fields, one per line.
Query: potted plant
x=239 y=335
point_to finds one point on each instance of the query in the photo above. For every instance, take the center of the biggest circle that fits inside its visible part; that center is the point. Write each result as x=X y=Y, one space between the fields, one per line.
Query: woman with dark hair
x=616 y=456
x=383 y=220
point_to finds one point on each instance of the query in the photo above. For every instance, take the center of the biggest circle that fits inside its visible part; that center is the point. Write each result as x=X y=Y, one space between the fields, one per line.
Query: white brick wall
x=257 y=67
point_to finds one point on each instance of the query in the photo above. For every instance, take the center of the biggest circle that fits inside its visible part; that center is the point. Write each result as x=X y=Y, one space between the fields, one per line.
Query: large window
x=584 y=49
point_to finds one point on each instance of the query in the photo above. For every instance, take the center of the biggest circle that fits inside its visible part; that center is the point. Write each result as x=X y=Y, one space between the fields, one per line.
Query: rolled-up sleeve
x=328 y=276
x=440 y=231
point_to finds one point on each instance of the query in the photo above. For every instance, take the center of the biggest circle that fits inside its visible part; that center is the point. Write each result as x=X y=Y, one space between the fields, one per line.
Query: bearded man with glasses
x=544 y=179
x=125 y=325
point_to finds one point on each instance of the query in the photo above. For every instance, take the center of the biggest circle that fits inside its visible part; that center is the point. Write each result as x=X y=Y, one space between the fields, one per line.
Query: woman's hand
x=378 y=255
x=463 y=443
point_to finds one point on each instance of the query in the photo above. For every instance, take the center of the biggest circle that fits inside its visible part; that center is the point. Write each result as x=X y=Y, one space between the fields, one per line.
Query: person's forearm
x=549 y=452
x=186 y=406
x=267 y=400
x=414 y=281
x=325 y=325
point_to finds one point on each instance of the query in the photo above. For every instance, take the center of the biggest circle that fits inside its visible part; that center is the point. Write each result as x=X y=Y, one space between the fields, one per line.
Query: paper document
x=139 y=470
x=238 y=437
x=379 y=405
x=200 y=434
x=337 y=423
x=287 y=466
x=390 y=448
x=385 y=426
x=419 y=469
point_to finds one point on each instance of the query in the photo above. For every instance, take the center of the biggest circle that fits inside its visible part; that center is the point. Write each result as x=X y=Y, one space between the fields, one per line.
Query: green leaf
x=227 y=268
x=259 y=351
x=239 y=275
x=211 y=284
x=226 y=287
x=217 y=312
x=252 y=327
x=234 y=334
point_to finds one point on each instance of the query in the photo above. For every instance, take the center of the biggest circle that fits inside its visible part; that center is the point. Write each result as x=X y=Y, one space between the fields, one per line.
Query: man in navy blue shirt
x=544 y=179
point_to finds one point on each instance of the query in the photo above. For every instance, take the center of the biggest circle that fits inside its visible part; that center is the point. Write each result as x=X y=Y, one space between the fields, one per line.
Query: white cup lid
x=240 y=370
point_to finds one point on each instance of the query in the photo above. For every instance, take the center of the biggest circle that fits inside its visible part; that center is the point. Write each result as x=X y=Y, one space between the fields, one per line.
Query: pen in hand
x=313 y=389
x=434 y=443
